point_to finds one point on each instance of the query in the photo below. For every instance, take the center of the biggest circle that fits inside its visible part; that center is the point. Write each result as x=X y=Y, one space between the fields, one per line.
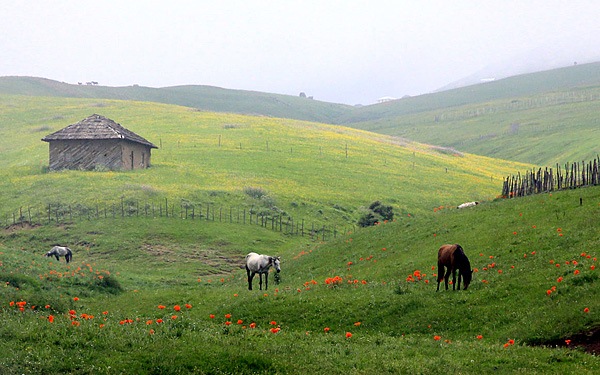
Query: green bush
x=376 y=213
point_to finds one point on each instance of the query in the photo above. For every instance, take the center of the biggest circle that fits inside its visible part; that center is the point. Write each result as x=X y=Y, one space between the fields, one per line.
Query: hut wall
x=113 y=154
x=134 y=155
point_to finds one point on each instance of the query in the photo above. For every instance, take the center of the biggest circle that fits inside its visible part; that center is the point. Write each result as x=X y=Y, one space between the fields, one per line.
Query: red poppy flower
x=437 y=338
x=240 y=321
x=586 y=310
x=227 y=316
x=158 y=321
x=188 y=306
x=273 y=323
x=75 y=299
x=479 y=337
x=212 y=316
x=162 y=307
x=177 y=308
x=227 y=323
x=348 y=335
x=252 y=325
x=326 y=329
x=51 y=318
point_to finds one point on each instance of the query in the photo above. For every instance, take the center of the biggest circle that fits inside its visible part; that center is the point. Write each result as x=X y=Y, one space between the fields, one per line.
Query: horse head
x=275 y=261
x=467 y=278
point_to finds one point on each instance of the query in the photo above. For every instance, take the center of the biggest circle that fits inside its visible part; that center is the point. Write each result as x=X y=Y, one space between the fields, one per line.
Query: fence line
x=126 y=208
x=572 y=176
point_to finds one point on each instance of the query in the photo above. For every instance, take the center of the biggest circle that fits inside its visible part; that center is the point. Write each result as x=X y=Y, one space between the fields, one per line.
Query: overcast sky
x=338 y=51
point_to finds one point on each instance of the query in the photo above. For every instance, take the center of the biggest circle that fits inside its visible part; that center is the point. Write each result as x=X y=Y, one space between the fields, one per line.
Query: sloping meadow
x=309 y=171
x=364 y=303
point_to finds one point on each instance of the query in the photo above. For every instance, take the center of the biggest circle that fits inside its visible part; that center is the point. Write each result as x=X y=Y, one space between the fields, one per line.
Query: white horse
x=60 y=251
x=467 y=204
x=259 y=264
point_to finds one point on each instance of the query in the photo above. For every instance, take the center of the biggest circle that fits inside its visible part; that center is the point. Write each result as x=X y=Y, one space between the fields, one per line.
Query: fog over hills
x=546 y=57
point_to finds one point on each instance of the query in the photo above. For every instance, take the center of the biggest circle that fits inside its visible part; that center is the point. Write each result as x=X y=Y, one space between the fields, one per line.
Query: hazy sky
x=338 y=51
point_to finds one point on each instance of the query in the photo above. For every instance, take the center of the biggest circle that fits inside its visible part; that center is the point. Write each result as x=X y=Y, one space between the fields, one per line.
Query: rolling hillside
x=364 y=303
x=207 y=98
x=304 y=170
x=168 y=294
x=541 y=118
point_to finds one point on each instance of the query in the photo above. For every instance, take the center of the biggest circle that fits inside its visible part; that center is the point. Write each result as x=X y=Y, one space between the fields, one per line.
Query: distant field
x=540 y=118
x=308 y=171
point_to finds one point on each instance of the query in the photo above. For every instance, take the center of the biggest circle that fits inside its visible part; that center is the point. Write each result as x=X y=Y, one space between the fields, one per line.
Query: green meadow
x=164 y=296
x=316 y=172
x=541 y=118
x=157 y=294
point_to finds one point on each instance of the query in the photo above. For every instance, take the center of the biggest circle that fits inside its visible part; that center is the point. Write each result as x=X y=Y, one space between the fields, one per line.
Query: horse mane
x=461 y=260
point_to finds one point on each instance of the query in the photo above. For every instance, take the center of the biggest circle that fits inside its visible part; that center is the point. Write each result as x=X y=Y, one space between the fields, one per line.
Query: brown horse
x=453 y=257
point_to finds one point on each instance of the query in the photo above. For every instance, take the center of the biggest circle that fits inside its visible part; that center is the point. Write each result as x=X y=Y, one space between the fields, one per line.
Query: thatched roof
x=96 y=127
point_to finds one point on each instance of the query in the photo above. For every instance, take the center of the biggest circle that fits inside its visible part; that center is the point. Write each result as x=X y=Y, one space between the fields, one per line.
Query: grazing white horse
x=259 y=264
x=60 y=251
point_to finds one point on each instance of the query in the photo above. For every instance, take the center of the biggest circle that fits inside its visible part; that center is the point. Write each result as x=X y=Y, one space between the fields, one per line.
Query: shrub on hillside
x=375 y=213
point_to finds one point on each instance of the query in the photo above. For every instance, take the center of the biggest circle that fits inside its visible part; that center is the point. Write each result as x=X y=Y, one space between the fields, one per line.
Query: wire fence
x=57 y=213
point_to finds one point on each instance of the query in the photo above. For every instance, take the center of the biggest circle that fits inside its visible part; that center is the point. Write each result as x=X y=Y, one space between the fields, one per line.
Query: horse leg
x=250 y=277
x=454 y=279
x=447 y=276
x=440 y=276
x=459 y=278
x=260 y=280
x=266 y=281
x=57 y=258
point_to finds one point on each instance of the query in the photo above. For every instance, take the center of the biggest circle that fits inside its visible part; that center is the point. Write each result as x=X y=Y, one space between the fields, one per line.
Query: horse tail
x=69 y=255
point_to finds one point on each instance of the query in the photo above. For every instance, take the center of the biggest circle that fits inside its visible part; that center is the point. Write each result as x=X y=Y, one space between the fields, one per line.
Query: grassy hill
x=302 y=170
x=207 y=98
x=541 y=118
x=139 y=296
x=148 y=294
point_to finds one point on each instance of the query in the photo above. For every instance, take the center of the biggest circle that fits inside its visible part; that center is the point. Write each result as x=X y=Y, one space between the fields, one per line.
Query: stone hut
x=97 y=142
